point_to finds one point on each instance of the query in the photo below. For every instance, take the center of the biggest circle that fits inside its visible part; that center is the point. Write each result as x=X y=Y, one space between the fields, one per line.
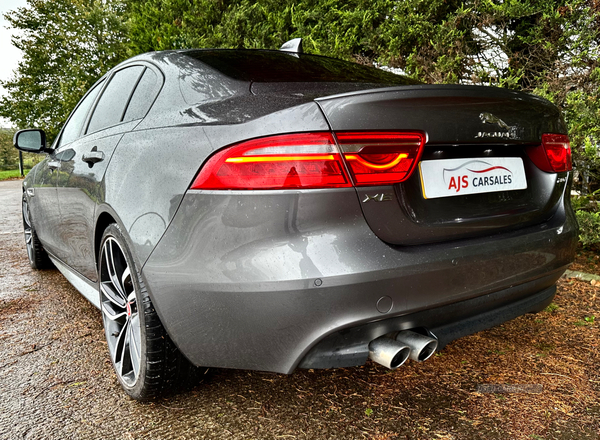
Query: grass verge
x=11 y=174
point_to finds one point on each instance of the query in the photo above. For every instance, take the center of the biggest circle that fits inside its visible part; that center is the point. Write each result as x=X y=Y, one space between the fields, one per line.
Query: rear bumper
x=303 y=281
x=349 y=347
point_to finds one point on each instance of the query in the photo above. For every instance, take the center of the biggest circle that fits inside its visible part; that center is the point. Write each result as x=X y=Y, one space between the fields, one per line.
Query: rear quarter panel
x=154 y=167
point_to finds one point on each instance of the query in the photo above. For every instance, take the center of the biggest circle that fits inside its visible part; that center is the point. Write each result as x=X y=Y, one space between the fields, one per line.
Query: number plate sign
x=457 y=177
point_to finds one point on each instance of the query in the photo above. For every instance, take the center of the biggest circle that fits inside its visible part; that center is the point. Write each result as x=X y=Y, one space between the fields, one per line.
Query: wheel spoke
x=136 y=334
x=124 y=278
x=127 y=367
x=111 y=313
x=26 y=214
x=125 y=356
x=111 y=295
x=120 y=345
x=112 y=269
x=134 y=351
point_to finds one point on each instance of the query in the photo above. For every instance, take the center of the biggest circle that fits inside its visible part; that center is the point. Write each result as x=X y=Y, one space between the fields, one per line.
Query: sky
x=9 y=55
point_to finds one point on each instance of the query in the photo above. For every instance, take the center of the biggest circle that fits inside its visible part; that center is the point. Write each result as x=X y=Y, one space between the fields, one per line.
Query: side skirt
x=88 y=289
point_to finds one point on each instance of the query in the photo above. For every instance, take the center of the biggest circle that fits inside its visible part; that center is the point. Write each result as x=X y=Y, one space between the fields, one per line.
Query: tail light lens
x=381 y=158
x=554 y=155
x=311 y=160
x=307 y=160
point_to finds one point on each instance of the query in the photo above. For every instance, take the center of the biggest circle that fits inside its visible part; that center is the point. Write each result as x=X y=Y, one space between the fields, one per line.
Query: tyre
x=38 y=258
x=146 y=361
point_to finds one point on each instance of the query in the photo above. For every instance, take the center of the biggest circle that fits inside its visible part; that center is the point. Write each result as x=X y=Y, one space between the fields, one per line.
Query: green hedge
x=589 y=227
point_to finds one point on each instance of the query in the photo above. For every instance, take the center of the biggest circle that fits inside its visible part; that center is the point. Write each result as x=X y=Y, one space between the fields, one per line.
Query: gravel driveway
x=56 y=380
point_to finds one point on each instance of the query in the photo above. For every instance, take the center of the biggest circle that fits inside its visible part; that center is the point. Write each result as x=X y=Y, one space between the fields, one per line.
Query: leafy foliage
x=67 y=45
x=547 y=47
x=9 y=156
x=513 y=44
x=589 y=227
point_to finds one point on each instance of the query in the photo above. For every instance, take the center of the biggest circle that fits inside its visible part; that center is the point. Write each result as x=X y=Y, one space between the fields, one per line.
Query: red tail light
x=380 y=158
x=311 y=160
x=308 y=160
x=554 y=155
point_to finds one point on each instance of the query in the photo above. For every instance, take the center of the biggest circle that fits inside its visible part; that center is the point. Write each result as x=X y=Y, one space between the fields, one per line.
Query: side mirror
x=30 y=140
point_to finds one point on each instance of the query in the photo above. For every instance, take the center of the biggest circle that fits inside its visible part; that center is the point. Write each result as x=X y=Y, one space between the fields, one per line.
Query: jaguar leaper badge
x=489 y=118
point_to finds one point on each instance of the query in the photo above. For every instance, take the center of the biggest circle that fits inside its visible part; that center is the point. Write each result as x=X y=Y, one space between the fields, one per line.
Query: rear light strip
x=553 y=155
x=381 y=158
x=305 y=160
x=386 y=166
x=312 y=160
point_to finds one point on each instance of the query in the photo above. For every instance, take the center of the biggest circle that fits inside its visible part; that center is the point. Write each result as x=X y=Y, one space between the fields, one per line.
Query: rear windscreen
x=275 y=66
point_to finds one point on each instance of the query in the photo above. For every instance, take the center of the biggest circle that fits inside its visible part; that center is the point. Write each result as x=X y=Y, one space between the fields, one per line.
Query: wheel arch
x=104 y=220
x=105 y=217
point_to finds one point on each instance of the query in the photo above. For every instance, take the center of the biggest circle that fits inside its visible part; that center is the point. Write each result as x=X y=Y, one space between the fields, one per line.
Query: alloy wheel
x=120 y=312
x=28 y=230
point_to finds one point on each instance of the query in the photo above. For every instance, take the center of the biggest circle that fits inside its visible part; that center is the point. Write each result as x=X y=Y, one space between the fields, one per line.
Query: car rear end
x=438 y=209
x=494 y=160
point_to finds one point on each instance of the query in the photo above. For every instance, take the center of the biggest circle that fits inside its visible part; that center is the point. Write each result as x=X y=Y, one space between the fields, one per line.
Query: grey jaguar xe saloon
x=274 y=210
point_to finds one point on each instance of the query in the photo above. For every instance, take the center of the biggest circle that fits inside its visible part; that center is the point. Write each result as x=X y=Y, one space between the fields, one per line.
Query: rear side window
x=111 y=106
x=143 y=96
x=73 y=128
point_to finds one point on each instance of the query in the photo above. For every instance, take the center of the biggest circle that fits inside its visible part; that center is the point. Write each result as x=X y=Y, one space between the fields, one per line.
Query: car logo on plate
x=477 y=175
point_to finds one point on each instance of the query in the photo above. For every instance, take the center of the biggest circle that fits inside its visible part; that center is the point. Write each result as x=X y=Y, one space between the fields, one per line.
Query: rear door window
x=143 y=96
x=111 y=106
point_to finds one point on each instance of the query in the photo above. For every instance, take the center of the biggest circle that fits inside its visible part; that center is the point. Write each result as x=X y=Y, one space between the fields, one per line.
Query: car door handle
x=93 y=157
x=54 y=164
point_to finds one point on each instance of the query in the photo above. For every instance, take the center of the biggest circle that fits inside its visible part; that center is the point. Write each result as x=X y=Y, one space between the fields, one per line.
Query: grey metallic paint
x=419 y=108
x=260 y=279
x=237 y=288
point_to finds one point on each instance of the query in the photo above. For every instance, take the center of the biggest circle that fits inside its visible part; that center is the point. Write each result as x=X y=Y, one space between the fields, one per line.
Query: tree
x=9 y=156
x=548 y=47
x=513 y=44
x=67 y=45
x=340 y=28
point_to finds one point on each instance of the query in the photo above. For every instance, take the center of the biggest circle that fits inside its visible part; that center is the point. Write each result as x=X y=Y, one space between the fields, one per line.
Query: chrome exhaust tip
x=388 y=352
x=421 y=347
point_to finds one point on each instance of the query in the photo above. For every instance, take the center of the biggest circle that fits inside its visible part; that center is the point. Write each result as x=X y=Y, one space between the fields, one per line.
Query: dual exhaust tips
x=392 y=353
